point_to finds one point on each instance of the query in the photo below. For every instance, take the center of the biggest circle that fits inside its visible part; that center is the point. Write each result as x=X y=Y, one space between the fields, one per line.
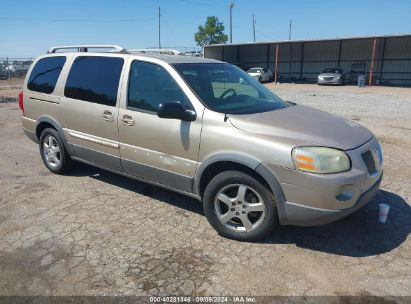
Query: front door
x=164 y=151
x=90 y=109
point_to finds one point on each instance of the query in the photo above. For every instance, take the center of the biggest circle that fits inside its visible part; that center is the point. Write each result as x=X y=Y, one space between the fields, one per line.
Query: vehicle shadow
x=151 y=191
x=358 y=235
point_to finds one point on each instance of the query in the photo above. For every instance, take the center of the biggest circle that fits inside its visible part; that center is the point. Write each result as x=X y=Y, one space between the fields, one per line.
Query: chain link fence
x=14 y=67
x=13 y=71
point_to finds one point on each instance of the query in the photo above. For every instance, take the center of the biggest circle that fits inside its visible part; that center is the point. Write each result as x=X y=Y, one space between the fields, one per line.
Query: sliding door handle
x=127 y=120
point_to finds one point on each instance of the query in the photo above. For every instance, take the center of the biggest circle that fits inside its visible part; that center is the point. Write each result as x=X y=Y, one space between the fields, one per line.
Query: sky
x=29 y=27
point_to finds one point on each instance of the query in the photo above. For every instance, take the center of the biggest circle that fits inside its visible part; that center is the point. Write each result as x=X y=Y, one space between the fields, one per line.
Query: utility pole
x=159 y=28
x=254 y=28
x=291 y=52
x=231 y=21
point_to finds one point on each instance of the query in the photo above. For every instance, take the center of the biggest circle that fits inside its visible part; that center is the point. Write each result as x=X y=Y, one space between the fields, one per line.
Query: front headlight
x=320 y=160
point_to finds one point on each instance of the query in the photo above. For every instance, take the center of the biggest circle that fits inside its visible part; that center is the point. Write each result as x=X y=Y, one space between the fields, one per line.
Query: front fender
x=242 y=159
x=251 y=163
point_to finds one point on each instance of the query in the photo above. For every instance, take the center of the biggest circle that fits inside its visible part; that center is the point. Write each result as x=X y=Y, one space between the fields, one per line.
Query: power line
x=77 y=20
x=201 y=3
x=178 y=21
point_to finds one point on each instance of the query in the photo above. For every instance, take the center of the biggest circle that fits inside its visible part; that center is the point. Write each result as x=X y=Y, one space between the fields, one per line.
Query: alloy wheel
x=51 y=151
x=239 y=207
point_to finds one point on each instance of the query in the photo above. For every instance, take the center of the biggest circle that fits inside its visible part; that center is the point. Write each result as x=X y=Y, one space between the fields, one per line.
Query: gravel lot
x=95 y=233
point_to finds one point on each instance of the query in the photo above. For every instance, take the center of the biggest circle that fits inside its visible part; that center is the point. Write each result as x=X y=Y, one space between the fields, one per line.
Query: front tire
x=53 y=152
x=240 y=207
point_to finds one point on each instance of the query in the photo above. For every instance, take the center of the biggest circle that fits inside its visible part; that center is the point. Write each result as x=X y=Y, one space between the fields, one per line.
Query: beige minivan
x=203 y=128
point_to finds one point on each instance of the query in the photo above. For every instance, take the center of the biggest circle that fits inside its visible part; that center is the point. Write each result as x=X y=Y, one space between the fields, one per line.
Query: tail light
x=21 y=103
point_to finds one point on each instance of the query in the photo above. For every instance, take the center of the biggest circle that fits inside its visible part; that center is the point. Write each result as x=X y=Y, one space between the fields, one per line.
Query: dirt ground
x=91 y=232
x=9 y=87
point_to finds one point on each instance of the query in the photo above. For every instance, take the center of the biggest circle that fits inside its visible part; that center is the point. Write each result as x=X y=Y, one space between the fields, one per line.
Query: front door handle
x=108 y=116
x=127 y=120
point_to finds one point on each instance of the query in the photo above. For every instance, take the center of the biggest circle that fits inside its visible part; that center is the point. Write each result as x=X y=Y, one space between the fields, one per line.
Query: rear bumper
x=301 y=215
x=31 y=135
x=29 y=127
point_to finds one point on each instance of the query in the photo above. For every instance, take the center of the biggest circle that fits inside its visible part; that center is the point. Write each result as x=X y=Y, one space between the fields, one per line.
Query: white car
x=261 y=74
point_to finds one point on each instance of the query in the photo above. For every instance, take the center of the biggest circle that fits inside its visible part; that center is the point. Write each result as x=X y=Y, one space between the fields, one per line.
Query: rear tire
x=53 y=152
x=240 y=207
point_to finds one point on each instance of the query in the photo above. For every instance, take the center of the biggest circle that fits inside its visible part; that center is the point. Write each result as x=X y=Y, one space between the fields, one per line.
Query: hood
x=255 y=74
x=303 y=126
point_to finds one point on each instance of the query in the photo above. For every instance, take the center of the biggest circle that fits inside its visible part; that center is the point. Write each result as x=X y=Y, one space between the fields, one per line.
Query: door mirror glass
x=175 y=110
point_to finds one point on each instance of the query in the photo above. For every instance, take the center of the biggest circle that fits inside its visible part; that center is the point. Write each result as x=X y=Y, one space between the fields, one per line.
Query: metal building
x=384 y=60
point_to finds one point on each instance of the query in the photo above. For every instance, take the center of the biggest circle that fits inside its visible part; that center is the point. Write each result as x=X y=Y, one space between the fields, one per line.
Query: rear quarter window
x=43 y=77
x=94 y=79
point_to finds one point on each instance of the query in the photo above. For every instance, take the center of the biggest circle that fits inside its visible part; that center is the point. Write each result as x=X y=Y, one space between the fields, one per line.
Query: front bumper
x=332 y=81
x=301 y=215
x=255 y=76
x=316 y=199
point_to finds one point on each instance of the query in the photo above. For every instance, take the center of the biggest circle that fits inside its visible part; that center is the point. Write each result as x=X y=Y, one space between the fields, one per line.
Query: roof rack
x=155 y=51
x=84 y=48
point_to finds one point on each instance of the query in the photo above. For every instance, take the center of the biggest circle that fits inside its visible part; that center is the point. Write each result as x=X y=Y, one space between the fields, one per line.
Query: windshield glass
x=227 y=89
x=254 y=70
x=336 y=71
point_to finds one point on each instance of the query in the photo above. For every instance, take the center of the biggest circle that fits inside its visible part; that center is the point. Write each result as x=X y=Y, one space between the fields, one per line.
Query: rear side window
x=43 y=77
x=94 y=79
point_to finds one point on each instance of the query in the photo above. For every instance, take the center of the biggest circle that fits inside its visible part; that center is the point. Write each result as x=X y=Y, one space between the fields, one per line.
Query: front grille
x=369 y=161
x=328 y=78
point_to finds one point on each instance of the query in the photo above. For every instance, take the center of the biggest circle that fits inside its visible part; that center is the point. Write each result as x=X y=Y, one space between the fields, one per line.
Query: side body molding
x=59 y=129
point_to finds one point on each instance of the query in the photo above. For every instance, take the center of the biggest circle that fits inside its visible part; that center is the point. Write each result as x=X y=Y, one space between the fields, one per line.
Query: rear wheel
x=53 y=153
x=240 y=207
x=260 y=79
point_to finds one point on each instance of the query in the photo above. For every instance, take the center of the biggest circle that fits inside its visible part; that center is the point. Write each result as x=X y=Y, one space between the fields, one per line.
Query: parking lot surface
x=91 y=232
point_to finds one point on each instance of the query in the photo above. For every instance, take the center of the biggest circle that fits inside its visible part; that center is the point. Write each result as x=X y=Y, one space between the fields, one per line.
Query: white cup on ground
x=383 y=214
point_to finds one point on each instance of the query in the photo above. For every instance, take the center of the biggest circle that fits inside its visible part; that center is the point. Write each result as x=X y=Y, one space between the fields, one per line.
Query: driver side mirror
x=175 y=110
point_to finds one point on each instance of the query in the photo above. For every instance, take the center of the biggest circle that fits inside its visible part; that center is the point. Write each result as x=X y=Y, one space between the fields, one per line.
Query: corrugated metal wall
x=304 y=60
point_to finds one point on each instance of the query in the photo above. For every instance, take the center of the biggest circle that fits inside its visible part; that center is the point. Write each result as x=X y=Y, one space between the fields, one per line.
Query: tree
x=211 y=33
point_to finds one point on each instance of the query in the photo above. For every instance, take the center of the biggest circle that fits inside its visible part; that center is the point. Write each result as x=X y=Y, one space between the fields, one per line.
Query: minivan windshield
x=254 y=70
x=225 y=88
x=330 y=70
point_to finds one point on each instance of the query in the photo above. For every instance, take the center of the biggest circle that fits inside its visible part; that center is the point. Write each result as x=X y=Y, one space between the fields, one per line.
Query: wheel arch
x=241 y=162
x=244 y=163
x=49 y=122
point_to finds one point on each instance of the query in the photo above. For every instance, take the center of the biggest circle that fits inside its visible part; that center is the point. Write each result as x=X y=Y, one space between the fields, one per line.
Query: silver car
x=261 y=74
x=203 y=128
x=331 y=76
